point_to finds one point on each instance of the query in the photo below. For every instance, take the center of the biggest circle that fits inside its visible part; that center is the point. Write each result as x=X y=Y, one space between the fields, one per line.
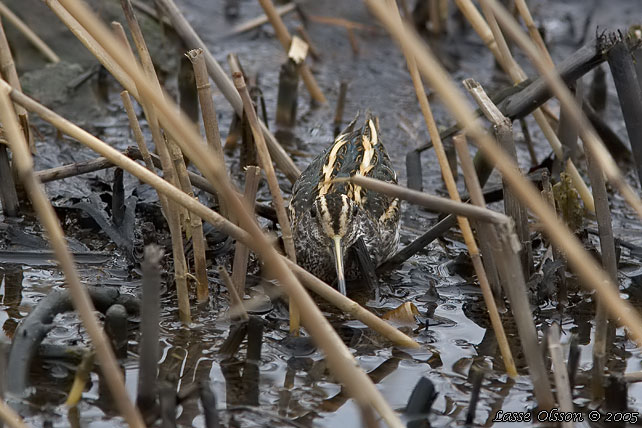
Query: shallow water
x=297 y=390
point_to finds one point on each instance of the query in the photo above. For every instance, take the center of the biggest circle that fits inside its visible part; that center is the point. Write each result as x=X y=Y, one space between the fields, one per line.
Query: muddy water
x=292 y=386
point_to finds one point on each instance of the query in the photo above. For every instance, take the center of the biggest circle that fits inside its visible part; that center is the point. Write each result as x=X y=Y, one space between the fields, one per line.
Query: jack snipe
x=327 y=217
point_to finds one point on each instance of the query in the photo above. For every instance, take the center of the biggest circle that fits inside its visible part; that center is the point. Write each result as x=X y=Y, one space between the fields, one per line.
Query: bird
x=328 y=216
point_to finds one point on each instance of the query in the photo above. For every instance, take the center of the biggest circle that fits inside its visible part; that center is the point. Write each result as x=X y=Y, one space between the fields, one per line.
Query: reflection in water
x=11 y=277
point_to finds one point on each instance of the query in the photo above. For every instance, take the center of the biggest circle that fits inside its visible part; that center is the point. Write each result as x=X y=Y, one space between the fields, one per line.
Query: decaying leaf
x=404 y=314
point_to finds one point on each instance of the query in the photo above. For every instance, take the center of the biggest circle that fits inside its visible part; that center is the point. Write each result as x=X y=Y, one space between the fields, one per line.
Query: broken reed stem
x=241 y=251
x=590 y=274
x=566 y=99
x=119 y=31
x=285 y=38
x=90 y=43
x=339 y=359
x=503 y=130
x=174 y=212
x=562 y=385
x=10 y=417
x=502 y=54
x=225 y=85
x=449 y=180
x=36 y=41
x=80 y=296
x=609 y=263
x=273 y=184
x=260 y=20
x=430 y=202
x=237 y=310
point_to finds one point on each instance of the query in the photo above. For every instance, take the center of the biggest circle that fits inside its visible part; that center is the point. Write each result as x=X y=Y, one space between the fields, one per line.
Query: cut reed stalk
x=237 y=310
x=119 y=31
x=187 y=90
x=503 y=129
x=273 y=184
x=149 y=328
x=241 y=251
x=562 y=385
x=285 y=39
x=341 y=102
x=10 y=417
x=225 y=85
x=592 y=276
x=36 y=41
x=314 y=52
x=80 y=297
x=449 y=180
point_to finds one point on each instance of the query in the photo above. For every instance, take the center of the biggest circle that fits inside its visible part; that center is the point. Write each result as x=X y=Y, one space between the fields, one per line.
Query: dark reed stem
x=413 y=171
x=628 y=92
x=187 y=89
x=567 y=130
x=241 y=252
x=420 y=402
x=8 y=194
x=118 y=198
x=573 y=361
x=286 y=103
x=254 y=339
x=148 y=348
x=341 y=103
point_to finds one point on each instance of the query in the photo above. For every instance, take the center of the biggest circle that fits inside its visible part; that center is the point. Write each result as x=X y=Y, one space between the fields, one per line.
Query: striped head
x=333 y=220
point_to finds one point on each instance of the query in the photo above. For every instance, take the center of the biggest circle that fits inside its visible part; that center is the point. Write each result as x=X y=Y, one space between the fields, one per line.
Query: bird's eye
x=313 y=212
x=354 y=210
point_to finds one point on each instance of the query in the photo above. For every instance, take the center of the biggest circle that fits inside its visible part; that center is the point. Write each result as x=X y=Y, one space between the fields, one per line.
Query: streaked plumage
x=321 y=210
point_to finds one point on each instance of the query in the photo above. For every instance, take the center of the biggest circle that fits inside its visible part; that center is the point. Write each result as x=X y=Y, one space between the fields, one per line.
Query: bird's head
x=333 y=216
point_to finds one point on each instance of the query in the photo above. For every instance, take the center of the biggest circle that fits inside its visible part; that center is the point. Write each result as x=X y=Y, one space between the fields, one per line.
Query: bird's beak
x=338 y=264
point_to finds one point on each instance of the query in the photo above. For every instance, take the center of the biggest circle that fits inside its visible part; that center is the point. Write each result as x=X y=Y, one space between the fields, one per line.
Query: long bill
x=338 y=264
